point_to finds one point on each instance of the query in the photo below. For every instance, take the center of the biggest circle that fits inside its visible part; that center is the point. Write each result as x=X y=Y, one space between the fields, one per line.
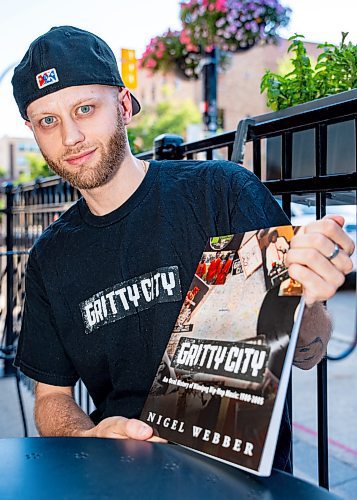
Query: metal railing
x=325 y=174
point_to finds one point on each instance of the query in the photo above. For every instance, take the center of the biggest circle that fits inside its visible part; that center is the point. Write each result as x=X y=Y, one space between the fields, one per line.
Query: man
x=224 y=270
x=276 y=250
x=105 y=282
x=213 y=268
x=201 y=268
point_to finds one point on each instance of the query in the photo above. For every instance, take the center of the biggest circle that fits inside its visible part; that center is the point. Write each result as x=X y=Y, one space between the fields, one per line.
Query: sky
x=131 y=24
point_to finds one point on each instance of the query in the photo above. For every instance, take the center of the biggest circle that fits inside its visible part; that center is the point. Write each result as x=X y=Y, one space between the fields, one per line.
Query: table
x=90 y=468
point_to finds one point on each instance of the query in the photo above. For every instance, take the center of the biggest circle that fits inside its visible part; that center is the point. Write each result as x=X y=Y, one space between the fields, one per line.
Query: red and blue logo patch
x=46 y=78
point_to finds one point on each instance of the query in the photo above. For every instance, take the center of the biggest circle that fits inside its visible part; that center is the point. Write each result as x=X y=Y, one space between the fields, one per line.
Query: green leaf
x=295 y=36
x=335 y=71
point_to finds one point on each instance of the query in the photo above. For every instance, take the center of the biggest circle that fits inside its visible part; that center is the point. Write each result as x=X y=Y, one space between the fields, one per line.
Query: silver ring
x=334 y=253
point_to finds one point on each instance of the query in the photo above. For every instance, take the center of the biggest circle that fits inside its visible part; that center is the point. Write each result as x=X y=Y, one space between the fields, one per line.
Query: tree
x=37 y=168
x=169 y=116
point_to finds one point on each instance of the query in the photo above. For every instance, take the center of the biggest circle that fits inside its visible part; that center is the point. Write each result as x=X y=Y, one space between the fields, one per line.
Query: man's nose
x=71 y=133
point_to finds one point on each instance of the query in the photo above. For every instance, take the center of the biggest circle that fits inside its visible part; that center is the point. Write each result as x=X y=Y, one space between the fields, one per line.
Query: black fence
x=305 y=155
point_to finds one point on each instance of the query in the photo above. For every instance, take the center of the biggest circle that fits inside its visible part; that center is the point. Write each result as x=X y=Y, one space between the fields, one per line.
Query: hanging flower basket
x=231 y=25
x=172 y=51
x=168 y=53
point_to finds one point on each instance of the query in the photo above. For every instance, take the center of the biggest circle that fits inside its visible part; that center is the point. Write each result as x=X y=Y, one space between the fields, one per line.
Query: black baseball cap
x=63 y=57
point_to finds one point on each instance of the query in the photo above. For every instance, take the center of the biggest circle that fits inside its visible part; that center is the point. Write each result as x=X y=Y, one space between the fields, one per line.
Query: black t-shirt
x=103 y=292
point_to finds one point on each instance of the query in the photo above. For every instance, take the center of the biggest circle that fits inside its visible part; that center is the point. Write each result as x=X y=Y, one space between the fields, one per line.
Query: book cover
x=221 y=385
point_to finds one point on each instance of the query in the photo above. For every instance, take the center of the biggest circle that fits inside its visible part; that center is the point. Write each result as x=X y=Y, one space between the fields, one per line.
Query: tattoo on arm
x=311 y=351
x=315 y=332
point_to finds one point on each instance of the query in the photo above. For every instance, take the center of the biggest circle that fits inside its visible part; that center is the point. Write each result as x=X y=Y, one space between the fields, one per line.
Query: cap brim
x=135 y=104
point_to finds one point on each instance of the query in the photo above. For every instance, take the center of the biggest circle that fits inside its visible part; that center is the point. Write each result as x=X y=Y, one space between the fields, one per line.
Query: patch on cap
x=46 y=78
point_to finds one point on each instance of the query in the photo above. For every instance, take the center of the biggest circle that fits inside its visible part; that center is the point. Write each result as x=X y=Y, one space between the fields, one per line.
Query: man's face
x=81 y=133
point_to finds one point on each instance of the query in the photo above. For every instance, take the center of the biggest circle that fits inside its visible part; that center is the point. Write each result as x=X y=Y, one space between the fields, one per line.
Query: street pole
x=9 y=320
x=209 y=78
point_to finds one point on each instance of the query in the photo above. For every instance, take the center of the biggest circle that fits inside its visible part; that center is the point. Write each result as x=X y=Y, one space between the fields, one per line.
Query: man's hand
x=319 y=258
x=122 y=428
x=309 y=258
x=57 y=414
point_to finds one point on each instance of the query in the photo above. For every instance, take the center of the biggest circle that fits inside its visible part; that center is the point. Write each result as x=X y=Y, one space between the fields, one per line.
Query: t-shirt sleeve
x=255 y=207
x=40 y=352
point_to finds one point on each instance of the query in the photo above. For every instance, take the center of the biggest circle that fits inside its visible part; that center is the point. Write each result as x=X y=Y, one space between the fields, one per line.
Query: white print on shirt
x=130 y=297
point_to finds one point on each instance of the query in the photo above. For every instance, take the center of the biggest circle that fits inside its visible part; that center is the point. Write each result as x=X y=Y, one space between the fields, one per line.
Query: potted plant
x=334 y=72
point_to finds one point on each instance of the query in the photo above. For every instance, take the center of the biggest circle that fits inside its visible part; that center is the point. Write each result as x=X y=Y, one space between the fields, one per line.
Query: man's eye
x=85 y=109
x=48 y=120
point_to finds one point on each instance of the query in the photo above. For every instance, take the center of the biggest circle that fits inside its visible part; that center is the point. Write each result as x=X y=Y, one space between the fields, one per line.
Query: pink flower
x=221 y=5
x=151 y=63
x=192 y=48
x=184 y=38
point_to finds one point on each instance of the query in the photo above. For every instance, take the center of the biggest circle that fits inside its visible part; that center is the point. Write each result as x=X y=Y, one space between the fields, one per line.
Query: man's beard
x=85 y=177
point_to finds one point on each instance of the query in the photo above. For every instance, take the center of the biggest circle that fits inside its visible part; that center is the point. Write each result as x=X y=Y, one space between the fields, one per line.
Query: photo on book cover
x=221 y=385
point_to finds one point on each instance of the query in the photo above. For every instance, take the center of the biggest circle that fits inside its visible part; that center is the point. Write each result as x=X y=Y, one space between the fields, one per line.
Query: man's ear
x=126 y=106
x=29 y=125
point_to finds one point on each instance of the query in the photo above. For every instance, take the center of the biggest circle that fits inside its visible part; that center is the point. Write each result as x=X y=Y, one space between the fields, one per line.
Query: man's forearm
x=315 y=332
x=59 y=415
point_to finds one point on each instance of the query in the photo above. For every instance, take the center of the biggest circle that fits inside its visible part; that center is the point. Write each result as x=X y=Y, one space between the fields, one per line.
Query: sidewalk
x=10 y=414
x=342 y=406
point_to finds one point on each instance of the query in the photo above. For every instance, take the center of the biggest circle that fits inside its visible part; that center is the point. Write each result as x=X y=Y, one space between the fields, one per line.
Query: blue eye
x=48 y=120
x=85 y=109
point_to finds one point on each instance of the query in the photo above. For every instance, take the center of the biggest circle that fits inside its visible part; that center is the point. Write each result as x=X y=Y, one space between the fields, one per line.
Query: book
x=221 y=385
